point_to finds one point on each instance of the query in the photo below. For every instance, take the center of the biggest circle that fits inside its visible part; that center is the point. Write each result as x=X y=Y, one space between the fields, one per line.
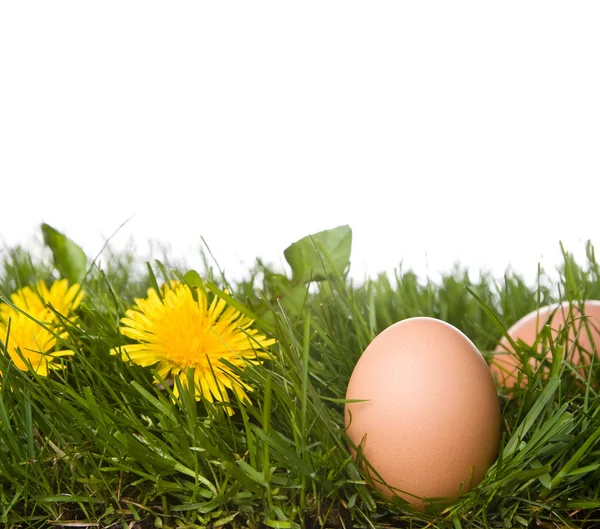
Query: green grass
x=99 y=443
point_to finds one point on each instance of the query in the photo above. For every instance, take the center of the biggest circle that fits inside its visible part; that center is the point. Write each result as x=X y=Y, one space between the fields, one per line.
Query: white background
x=440 y=131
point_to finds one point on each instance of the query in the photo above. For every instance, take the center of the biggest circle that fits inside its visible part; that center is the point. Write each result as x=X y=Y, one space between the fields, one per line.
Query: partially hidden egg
x=582 y=338
x=429 y=423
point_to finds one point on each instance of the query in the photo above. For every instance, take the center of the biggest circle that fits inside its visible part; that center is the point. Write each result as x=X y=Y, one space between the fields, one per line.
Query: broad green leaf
x=69 y=259
x=321 y=255
x=192 y=278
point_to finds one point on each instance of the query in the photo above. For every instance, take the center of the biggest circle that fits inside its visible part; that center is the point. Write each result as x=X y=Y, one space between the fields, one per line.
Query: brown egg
x=505 y=365
x=431 y=423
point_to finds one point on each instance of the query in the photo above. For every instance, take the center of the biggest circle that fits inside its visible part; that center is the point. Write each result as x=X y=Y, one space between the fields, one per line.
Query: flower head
x=29 y=327
x=63 y=298
x=181 y=331
x=35 y=343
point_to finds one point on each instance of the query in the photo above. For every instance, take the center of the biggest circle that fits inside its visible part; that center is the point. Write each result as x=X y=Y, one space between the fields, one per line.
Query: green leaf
x=570 y=464
x=533 y=414
x=321 y=255
x=192 y=278
x=276 y=524
x=290 y=295
x=252 y=473
x=276 y=441
x=69 y=259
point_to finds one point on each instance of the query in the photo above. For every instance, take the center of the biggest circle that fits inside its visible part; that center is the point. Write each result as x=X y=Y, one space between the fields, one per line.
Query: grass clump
x=105 y=443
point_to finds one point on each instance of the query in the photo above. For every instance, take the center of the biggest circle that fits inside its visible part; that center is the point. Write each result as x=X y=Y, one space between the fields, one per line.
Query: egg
x=429 y=423
x=506 y=365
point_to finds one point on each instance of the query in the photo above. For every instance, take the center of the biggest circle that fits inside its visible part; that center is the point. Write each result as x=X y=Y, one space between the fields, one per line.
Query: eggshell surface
x=506 y=364
x=431 y=423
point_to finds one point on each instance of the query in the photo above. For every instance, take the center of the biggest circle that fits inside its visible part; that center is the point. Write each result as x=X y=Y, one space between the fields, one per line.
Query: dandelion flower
x=180 y=331
x=63 y=298
x=29 y=329
x=26 y=339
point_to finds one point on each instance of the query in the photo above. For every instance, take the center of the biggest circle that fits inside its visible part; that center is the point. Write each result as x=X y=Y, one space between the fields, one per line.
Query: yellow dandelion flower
x=180 y=332
x=32 y=341
x=63 y=298
x=33 y=336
